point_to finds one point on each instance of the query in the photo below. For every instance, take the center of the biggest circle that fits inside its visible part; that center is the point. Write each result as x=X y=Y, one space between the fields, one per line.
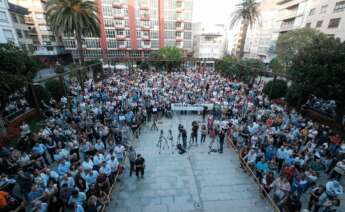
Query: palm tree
x=73 y=17
x=248 y=14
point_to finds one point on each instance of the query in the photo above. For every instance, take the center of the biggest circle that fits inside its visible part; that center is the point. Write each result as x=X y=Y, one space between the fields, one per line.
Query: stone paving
x=195 y=181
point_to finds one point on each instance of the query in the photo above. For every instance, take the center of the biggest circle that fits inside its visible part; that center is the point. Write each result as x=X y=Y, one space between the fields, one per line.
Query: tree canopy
x=16 y=68
x=242 y=69
x=74 y=18
x=290 y=43
x=168 y=57
x=318 y=69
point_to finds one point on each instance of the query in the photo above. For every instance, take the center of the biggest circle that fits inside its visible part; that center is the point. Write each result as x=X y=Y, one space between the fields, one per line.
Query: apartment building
x=18 y=15
x=209 y=40
x=38 y=27
x=291 y=14
x=327 y=16
x=7 y=31
x=134 y=28
x=260 y=38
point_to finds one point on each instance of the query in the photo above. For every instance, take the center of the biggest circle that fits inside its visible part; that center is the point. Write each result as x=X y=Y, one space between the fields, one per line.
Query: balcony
x=117 y=5
x=145 y=17
x=28 y=20
x=145 y=28
x=119 y=16
x=179 y=19
x=121 y=37
x=144 y=6
x=120 y=26
x=286 y=26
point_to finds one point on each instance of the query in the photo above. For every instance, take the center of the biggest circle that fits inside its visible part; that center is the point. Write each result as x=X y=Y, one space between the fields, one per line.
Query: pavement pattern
x=195 y=181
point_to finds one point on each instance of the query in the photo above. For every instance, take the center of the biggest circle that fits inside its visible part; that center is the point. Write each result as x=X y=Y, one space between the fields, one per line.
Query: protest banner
x=190 y=107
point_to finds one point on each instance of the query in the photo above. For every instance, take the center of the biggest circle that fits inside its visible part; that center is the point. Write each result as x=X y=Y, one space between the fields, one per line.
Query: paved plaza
x=195 y=181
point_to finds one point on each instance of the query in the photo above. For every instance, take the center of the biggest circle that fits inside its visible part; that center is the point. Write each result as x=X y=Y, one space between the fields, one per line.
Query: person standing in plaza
x=139 y=166
x=203 y=134
x=221 y=140
x=132 y=157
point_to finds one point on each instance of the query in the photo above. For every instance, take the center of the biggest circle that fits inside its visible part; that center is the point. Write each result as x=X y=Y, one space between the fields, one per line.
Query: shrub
x=41 y=93
x=275 y=89
x=55 y=88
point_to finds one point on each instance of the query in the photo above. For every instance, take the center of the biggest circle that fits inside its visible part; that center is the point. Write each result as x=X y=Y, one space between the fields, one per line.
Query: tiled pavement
x=196 y=181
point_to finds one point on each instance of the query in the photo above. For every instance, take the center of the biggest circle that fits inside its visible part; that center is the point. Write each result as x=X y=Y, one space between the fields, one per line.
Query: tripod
x=162 y=142
x=154 y=125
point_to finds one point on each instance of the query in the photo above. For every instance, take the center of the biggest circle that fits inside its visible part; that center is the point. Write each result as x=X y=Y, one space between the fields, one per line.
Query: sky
x=213 y=11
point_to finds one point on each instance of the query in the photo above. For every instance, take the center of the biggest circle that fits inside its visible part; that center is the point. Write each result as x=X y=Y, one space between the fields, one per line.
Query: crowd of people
x=72 y=161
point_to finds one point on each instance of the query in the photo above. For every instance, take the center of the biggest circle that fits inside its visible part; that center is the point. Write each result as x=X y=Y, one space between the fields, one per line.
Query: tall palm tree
x=247 y=14
x=73 y=17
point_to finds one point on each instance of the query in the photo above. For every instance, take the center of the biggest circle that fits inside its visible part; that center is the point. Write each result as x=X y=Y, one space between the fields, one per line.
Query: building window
x=308 y=25
x=8 y=35
x=3 y=17
x=319 y=24
x=331 y=35
x=187 y=26
x=19 y=33
x=112 y=44
x=312 y=12
x=92 y=43
x=339 y=6
x=187 y=35
x=324 y=8
x=108 y=23
x=119 y=32
x=334 y=23
x=69 y=43
x=110 y=33
x=14 y=18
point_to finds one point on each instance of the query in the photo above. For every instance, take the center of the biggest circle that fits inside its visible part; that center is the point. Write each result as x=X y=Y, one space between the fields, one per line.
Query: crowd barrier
x=251 y=172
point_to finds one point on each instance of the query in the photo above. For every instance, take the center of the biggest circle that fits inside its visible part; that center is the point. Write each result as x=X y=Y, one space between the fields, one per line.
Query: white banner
x=190 y=107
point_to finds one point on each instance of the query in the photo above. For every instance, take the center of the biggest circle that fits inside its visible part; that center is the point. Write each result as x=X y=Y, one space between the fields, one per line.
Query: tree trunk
x=37 y=104
x=274 y=80
x=243 y=39
x=81 y=57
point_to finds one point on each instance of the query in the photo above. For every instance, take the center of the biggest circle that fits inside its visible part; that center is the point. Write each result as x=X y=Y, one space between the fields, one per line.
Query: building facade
x=18 y=15
x=38 y=27
x=134 y=28
x=7 y=30
x=260 y=38
x=209 y=41
x=328 y=16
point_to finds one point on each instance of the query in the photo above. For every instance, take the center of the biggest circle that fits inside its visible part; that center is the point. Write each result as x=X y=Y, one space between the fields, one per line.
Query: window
x=334 y=23
x=319 y=24
x=128 y=34
x=110 y=33
x=69 y=43
x=339 y=6
x=39 y=16
x=14 y=18
x=3 y=17
x=178 y=34
x=312 y=12
x=187 y=26
x=119 y=32
x=19 y=33
x=146 y=43
x=308 y=25
x=187 y=35
x=8 y=35
x=108 y=23
x=92 y=43
x=331 y=35
x=324 y=8
x=112 y=44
